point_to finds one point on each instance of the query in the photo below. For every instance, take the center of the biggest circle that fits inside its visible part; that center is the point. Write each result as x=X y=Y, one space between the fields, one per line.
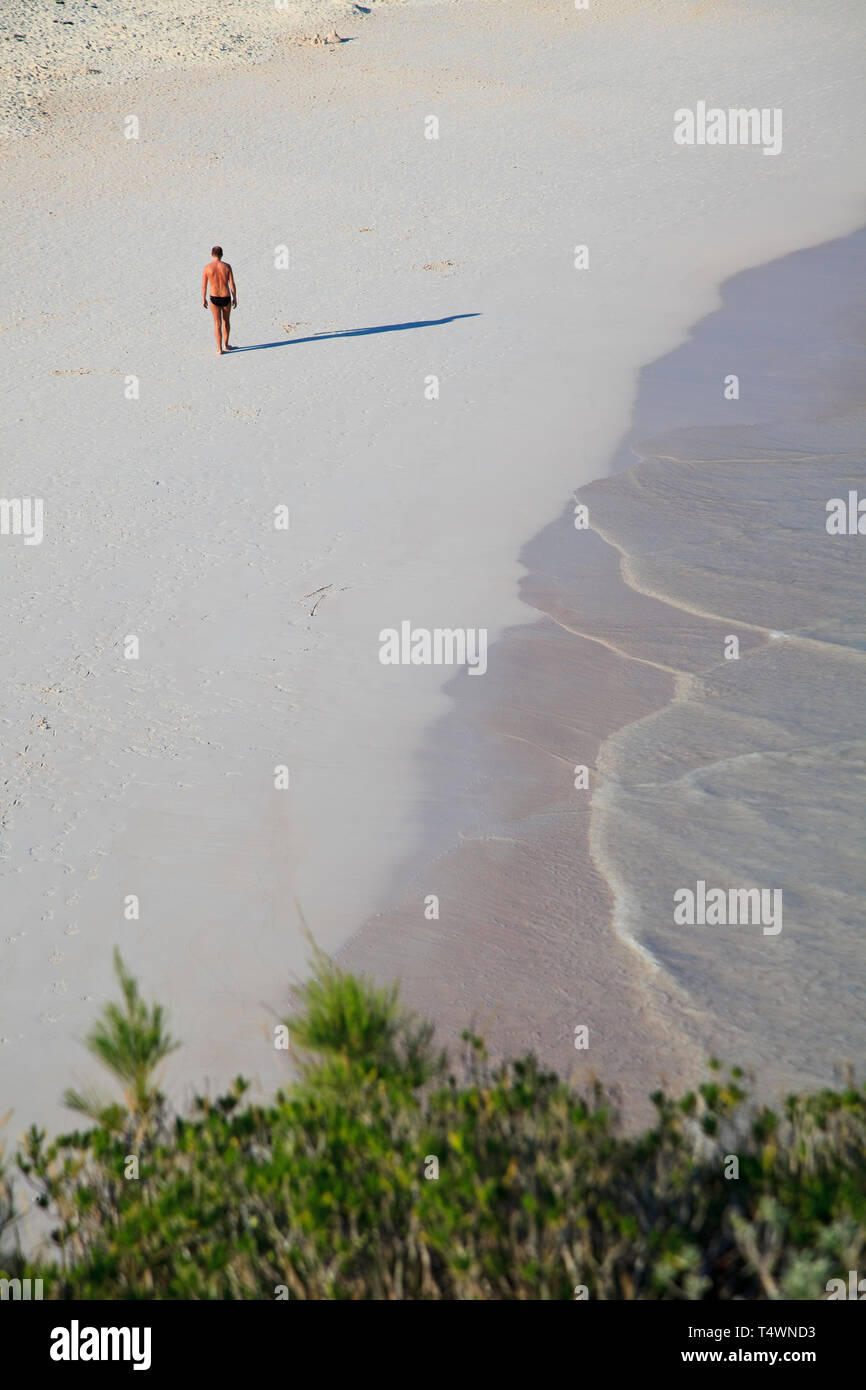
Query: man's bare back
x=218 y=277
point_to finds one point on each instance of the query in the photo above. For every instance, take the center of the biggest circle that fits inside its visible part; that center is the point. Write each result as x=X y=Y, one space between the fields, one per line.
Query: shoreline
x=619 y=964
x=523 y=951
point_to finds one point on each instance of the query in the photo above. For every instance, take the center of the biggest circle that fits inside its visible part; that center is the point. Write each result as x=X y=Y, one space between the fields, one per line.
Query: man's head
x=217 y=251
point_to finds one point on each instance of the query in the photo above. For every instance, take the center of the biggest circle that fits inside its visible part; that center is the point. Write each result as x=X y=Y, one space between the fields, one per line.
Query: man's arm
x=204 y=287
x=233 y=288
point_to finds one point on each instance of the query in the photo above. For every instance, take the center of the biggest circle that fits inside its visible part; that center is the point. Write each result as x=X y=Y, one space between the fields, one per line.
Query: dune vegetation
x=386 y=1171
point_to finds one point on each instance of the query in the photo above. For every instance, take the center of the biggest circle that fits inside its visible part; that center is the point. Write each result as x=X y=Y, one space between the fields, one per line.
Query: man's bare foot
x=219 y=352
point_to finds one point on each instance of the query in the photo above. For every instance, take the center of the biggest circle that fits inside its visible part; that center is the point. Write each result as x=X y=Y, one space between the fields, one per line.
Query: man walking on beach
x=219 y=278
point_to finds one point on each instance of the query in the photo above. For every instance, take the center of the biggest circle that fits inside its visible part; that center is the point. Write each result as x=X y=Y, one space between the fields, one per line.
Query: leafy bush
x=330 y=1191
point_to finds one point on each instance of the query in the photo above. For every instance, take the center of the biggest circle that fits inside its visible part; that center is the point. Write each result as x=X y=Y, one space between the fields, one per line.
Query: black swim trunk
x=221 y=300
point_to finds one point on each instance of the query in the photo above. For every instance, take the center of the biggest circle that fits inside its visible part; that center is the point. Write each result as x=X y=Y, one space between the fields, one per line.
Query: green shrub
x=329 y=1192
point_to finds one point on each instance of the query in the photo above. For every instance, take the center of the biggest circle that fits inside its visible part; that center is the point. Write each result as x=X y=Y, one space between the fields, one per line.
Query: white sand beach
x=369 y=259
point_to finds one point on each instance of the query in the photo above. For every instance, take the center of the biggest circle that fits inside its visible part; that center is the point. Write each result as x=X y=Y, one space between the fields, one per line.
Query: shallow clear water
x=754 y=775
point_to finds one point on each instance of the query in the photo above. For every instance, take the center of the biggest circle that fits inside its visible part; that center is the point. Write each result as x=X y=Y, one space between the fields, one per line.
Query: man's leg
x=227 y=311
x=217 y=324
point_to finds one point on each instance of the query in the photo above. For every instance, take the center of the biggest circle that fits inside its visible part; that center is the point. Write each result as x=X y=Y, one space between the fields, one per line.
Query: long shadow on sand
x=354 y=333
